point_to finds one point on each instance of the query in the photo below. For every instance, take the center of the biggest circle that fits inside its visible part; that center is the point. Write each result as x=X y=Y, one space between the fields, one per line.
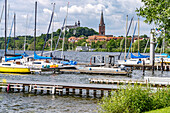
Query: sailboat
x=15 y=66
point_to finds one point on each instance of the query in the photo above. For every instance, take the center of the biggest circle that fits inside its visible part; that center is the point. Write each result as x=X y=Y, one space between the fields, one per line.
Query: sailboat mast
x=64 y=31
x=52 y=29
x=138 y=34
x=5 y=24
x=126 y=35
x=14 y=30
x=2 y=13
x=35 y=26
x=26 y=33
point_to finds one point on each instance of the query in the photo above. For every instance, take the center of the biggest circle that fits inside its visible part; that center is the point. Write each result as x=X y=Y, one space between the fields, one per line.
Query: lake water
x=21 y=102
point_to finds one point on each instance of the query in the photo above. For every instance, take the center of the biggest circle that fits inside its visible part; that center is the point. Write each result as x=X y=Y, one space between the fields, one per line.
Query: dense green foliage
x=135 y=99
x=163 y=110
x=157 y=11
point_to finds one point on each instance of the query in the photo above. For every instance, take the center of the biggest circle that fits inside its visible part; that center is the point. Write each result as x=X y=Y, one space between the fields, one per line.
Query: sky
x=88 y=12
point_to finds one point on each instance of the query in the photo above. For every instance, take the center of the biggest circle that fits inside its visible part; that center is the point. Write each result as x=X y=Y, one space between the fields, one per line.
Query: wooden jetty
x=165 y=67
x=94 y=72
x=57 y=88
x=153 y=81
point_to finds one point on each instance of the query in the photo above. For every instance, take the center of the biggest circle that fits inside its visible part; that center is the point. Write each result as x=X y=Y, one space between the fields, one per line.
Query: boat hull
x=14 y=70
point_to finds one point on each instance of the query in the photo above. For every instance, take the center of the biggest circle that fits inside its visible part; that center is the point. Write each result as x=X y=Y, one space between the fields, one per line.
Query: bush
x=135 y=99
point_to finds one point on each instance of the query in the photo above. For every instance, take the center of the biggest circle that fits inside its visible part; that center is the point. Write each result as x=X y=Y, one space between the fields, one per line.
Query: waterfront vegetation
x=99 y=46
x=163 y=110
x=135 y=99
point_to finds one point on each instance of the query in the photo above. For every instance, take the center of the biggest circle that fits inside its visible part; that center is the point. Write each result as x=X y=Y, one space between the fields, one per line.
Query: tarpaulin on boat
x=24 y=54
x=40 y=57
x=12 y=58
x=69 y=63
x=143 y=56
x=133 y=56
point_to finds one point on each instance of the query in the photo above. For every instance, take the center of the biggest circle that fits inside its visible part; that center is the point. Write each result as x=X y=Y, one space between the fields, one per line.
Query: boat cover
x=69 y=63
x=12 y=58
x=40 y=57
x=143 y=56
x=24 y=54
x=139 y=56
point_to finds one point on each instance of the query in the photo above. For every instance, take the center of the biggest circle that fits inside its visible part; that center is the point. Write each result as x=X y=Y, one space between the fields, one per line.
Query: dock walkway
x=57 y=87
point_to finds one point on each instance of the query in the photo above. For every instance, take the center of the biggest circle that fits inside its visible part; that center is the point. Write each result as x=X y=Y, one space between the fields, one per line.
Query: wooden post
x=53 y=90
x=94 y=59
x=42 y=90
x=102 y=93
x=109 y=93
x=67 y=91
x=87 y=92
x=80 y=91
x=143 y=67
x=103 y=59
x=23 y=88
x=94 y=93
x=35 y=90
x=73 y=91
x=162 y=68
x=48 y=91
x=30 y=88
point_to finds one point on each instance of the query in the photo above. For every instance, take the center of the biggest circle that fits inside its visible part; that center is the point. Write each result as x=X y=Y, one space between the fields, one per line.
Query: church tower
x=101 y=25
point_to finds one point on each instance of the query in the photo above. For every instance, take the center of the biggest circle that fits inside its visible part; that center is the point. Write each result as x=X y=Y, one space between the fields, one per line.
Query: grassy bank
x=135 y=99
x=163 y=110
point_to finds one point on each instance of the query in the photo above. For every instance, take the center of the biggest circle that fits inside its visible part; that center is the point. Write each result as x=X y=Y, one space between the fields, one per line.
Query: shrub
x=134 y=99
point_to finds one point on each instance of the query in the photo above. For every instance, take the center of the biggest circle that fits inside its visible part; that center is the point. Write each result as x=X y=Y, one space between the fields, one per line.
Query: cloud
x=88 y=12
x=45 y=10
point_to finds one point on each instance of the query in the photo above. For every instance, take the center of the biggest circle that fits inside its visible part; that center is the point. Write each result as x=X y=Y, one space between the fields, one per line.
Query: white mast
x=64 y=30
x=26 y=32
x=52 y=28
x=126 y=34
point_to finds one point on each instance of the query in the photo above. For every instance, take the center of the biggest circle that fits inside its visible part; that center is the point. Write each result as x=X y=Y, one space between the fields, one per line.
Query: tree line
x=103 y=46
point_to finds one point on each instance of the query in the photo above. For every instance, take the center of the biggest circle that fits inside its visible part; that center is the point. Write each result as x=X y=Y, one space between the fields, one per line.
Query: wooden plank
x=95 y=72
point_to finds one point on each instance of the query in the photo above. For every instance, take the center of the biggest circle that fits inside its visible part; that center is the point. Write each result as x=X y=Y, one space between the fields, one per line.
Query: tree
x=157 y=11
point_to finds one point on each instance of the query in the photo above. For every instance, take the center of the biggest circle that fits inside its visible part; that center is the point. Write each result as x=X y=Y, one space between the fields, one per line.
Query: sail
x=12 y=58
x=40 y=57
x=142 y=56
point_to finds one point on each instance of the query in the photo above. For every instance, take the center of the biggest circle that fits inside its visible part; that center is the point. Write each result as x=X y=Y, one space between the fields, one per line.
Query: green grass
x=135 y=99
x=163 y=110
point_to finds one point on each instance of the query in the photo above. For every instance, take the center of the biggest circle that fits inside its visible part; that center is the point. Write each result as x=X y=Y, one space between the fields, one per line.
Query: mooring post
x=152 y=49
x=143 y=67
x=48 y=91
x=30 y=88
x=102 y=93
x=94 y=93
x=80 y=91
x=94 y=59
x=103 y=59
x=67 y=91
x=53 y=90
x=64 y=57
x=87 y=92
x=73 y=91
x=23 y=88
x=35 y=90
x=162 y=68
x=41 y=90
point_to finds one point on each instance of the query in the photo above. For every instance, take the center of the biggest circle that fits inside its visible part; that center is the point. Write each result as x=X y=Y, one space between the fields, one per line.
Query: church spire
x=102 y=25
x=101 y=19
